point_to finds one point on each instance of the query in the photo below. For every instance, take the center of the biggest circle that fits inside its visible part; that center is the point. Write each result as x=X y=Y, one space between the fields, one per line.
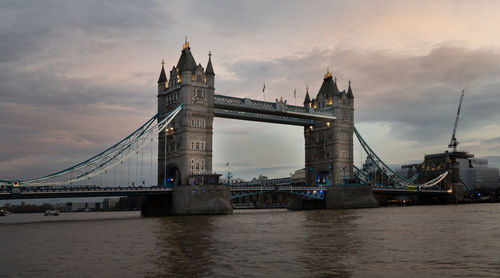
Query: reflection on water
x=186 y=246
x=433 y=241
x=270 y=243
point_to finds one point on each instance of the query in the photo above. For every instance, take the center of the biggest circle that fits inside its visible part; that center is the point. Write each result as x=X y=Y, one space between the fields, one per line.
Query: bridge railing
x=280 y=188
x=221 y=100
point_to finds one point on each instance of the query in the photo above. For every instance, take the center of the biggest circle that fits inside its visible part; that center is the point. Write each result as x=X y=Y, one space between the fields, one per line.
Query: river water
x=417 y=241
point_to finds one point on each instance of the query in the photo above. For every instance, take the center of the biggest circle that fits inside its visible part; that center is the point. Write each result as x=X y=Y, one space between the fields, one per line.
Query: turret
x=349 y=91
x=328 y=93
x=307 y=100
x=162 y=80
x=186 y=61
x=209 y=72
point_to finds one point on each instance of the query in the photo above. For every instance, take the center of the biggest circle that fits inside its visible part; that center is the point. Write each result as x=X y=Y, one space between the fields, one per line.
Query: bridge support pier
x=157 y=205
x=190 y=200
x=201 y=199
x=350 y=196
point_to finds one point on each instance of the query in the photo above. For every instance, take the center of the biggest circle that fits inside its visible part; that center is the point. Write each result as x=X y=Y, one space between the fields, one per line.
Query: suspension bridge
x=168 y=159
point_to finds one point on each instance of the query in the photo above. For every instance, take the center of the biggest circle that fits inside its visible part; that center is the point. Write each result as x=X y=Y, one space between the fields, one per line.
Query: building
x=185 y=148
x=79 y=206
x=109 y=203
x=476 y=174
x=299 y=176
x=329 y=144
x=232 y=180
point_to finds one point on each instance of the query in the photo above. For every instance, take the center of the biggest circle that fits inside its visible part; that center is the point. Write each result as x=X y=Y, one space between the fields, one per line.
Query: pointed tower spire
x=349 y=90
x=163 y=76
x=210 y=69
x=186 y=61
x=307 y=100
x=328 y=73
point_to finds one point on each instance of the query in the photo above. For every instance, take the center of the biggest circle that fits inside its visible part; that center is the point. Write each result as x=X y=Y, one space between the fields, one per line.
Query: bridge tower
x=329 y=148
x=188 y=146
x=329 y=144
x=185 y=147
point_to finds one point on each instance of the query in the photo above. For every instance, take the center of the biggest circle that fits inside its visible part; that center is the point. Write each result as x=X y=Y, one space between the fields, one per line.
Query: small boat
x=52 y=212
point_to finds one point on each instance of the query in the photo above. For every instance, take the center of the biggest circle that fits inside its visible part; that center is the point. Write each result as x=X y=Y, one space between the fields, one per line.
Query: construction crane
x=453 y=142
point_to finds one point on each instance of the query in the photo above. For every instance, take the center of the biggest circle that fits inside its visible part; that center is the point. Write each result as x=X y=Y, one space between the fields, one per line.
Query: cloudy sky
x=77 y=76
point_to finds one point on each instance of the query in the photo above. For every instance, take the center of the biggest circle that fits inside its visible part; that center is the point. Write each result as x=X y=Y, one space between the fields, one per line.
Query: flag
x=227 y=164
x=264 y=88
x=295 y=92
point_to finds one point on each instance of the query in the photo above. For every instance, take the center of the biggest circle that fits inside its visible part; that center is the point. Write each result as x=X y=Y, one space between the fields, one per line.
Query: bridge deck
x=71 y=192
x=84 y=192
x=272 y=112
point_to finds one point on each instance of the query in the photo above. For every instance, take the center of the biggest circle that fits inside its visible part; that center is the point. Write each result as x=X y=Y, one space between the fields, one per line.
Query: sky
x=77 y=76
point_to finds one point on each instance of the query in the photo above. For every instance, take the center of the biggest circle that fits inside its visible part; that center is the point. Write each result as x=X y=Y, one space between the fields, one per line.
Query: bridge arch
x=173 y=176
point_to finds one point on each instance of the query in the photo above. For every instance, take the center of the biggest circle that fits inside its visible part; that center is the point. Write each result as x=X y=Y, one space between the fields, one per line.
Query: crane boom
x=453 y=142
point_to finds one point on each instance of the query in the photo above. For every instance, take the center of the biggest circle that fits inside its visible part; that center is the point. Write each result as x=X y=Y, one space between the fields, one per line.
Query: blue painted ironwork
x=309 y=192
x=110 y=157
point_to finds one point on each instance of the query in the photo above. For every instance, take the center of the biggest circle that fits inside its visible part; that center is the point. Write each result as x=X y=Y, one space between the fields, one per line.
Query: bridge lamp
x=314 y=191
x=328 y=124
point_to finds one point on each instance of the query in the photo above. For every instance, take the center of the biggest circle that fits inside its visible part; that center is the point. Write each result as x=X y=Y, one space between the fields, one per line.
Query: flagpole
x=295 y=95
x=228 y=177
x=264 y=91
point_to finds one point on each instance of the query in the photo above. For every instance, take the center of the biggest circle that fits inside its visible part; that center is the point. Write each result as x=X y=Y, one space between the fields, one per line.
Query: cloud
x=76 y=76
x=31 y=28
x=416 y=94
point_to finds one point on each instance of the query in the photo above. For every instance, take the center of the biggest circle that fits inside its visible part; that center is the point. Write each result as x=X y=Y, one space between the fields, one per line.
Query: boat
x=52 y=212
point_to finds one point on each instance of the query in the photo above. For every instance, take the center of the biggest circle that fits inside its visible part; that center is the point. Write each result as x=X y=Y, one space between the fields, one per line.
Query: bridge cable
x=111 y=156
x=142 y=168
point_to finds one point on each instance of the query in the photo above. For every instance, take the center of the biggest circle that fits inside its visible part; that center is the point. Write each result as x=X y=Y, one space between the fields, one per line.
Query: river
x=415 y=241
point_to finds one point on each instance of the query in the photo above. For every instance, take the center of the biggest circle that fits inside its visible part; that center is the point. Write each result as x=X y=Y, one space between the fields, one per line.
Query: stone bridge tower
x=329 y=144
x=185 y=148
x=329 y=148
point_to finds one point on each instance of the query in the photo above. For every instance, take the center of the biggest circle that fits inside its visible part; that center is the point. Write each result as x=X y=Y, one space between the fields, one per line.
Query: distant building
x=231 y=180
x=74 y=206
x=109 y=203
x=299 y=176
x=476 y=174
